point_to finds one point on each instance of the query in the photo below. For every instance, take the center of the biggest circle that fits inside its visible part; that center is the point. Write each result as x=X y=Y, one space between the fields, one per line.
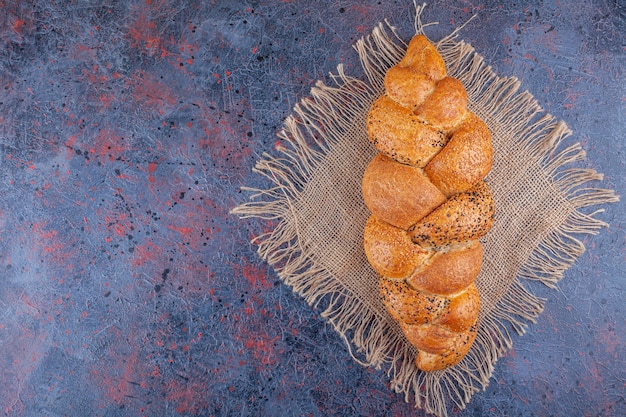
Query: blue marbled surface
x=126 y=131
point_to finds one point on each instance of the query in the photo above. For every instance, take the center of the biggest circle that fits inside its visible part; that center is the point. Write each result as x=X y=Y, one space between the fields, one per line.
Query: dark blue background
x=126 y=131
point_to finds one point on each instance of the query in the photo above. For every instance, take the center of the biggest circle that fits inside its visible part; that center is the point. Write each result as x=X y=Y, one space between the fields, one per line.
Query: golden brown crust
x=448 y=272
x=407 y=87
x=454 y=314
x=462 y=310
x=406 y=305
x=421 y=55
x=390 y=250
x=465 y=160
x=446 y=106
x=460 y=344
x=467 y=216
x=429 y=204
x=398 y=194
x=429 y=337
x=398 y=133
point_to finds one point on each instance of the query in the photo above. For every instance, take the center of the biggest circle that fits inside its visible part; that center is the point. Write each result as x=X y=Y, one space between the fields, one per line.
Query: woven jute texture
x=542 y=204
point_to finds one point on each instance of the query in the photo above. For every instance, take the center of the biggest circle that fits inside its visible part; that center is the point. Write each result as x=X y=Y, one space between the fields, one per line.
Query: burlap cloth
x=315 y=198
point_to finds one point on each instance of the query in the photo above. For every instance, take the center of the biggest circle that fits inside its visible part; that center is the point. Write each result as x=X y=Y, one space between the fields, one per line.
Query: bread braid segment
x=466 y=216
x=390 y=191
x=401 y=135
x=429 y=205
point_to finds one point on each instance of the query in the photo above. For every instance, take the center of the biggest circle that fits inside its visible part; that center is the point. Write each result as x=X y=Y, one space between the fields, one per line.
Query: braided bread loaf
x=429 y=205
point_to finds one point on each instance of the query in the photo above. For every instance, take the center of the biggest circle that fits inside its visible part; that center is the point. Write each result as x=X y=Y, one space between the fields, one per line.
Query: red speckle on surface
x=152 y=167
x=184 y=231
x=110 y=144
x=20 y=161
x=46 y=242
x=106 y=99
x=548 y=39
x=548 y=70
x=146 y=254
x=69 y=143
x=263 y=348
x=148 y=91
x=248 y=308
x=257 y=278
x=116 y=381
x=115 y=222
x=187 y=396
x=153 y=94
x=145 y=35
x=570 y=100
x=609 y=341
x=92 y=76
x=17 y=24
x=223 y=143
